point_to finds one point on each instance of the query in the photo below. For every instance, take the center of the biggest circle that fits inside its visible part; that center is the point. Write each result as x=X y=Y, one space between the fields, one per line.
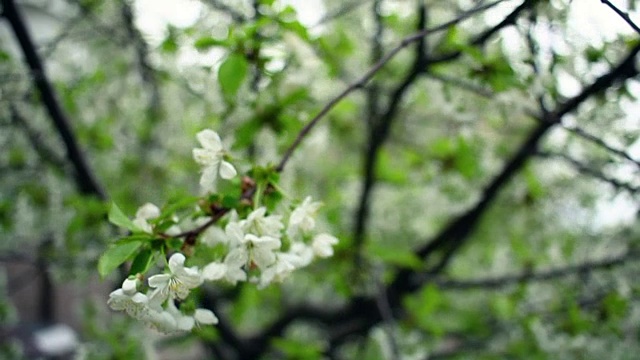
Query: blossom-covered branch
x=254 y=245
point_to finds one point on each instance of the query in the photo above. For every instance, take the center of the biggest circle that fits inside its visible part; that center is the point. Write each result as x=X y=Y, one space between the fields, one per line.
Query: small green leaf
x=231 y=74
x=174 y=243
x=535 y=187
x=466 y=159
x=297 y=349
x=207 y=42
x=117 y=217
x=142 y=262
x=116 y=255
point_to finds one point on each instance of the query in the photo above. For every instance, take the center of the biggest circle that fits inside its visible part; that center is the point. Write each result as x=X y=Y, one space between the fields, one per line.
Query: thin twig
x=47 y=154
x=544 y=275
x=583 y=168
x=386 y=313
x=236 y=16
x=362 y=81
x=624 y=15
x=596 y=140
x=85 y=178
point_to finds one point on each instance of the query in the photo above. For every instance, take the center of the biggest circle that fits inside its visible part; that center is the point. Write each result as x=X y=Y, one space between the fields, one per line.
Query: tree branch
x=625 y=16
x=85 y=179
x=44 y=151
x=378 y=134
x=359 y=318
x=364 y=79
x=236 y=16
x=598 y=141
x=583 y=168
x=147 y=72
x=544 y=275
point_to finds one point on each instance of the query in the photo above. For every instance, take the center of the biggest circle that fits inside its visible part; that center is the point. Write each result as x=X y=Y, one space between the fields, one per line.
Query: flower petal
x=214 y=271
x=227 y=171
x=176 y=262
x=159 y=281
x=209 y=139
x=204 y=316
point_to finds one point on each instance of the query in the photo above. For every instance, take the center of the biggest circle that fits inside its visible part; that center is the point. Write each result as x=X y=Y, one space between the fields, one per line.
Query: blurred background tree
x=476 y=159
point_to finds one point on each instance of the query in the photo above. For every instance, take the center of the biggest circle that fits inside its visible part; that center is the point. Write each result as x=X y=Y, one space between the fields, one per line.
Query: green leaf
x=297 y=349
x=534 y=186
x=389 y=168
x=118 y=218
x=465 y=159
x=116 y=255
x=231 y=74
x=142 y=262
x=207 y=42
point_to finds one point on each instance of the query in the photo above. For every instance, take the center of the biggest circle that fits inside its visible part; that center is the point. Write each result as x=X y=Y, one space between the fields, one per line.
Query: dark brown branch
x=461 y=84
x=364 y=79
x=236 y=16
x=44 y=151
x=147 y=72
x=456 y=233
x=625 y=16
x=598 y=141
x=482 y=38
x=378 y=134
x=342 y=11
x=359 y=317
x=85 y=178
x=587 y=170
x=544 y=275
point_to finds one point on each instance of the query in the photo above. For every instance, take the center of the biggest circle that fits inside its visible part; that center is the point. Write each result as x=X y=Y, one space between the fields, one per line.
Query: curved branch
x=544 y=275
x=625 y=16
x=85 y=179
x=364 y=79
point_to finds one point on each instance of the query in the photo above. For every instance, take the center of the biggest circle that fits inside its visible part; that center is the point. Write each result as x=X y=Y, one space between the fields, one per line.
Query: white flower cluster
x=157 y=308
x=259 y=248
x=256 y=246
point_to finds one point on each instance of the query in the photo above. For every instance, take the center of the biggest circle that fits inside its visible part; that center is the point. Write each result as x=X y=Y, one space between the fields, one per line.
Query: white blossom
x=279 y=270
x=211 y=158
x=146 y=212
x=179 y=282
x=322 y=245
x=302 y=254
x=231 y=269
x=259 y=224
x=205 y=316
x=128 y=299
x=303 y=217
x=261 y=249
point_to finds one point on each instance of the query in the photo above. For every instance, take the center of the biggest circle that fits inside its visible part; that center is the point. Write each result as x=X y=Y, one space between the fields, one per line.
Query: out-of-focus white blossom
x=279 y=270
x=259 y=224
x=323 y=245
x=231 y=269
x=211 y=158
x=146 y=212
x=303 y=217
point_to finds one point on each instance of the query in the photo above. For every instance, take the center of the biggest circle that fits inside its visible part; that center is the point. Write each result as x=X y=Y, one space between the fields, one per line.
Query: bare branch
x=362 y=81
x=544 y=275
x=46 y=154
x=596 y=140
x=221 y=6
x=583 y=168
x=85 y=178
x=625 y=16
